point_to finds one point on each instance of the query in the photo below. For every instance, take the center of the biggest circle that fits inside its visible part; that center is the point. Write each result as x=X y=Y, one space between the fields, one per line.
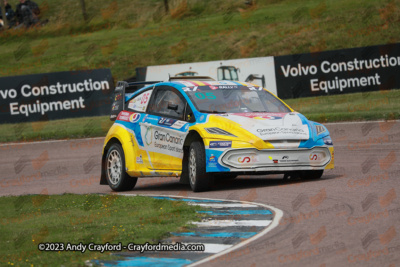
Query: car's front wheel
x=116 y=176
x=198 y=178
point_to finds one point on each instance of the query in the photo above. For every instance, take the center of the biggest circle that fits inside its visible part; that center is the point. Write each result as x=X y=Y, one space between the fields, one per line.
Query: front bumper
x=249 y=159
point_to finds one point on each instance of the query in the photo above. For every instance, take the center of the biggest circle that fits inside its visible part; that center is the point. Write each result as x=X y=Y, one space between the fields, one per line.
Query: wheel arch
x=192 y=136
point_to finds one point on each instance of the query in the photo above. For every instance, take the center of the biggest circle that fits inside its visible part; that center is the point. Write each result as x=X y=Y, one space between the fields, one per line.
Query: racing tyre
x=184 y=179
x=312 y=175
x=198 y=178
x=116 y=176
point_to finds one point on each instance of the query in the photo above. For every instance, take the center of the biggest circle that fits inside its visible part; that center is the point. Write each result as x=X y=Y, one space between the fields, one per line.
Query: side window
x=140 y=102
x=167 y=102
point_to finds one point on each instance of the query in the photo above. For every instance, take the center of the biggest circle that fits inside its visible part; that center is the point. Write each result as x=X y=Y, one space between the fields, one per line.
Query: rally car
x=202 y=130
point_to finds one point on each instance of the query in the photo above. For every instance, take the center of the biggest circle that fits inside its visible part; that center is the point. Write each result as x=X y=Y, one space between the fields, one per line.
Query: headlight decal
x=216 y=130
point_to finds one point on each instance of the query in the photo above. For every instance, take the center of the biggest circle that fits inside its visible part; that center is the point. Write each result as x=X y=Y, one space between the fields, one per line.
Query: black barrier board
x=56 y=95
x=338 y=72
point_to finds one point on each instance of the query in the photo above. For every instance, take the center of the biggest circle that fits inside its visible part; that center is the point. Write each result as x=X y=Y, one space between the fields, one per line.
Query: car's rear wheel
x=198 y=178
x=116 y=176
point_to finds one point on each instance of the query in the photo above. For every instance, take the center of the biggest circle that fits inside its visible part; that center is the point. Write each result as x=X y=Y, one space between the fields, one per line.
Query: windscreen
x=234 y=99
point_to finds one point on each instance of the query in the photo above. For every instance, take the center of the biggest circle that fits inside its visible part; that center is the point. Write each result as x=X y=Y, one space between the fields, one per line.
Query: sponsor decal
x=213 y=87
x=139 y=103
x=145 y=98
x=166 y=121
x=248 y=159
x=286 y=159
x=115 y=106
x=123 y=116
x=227 y=86
x=187 y=89
x=275 y=161
x=281 y=130
x=134 y=117
x=178 y=124
x=244 y=160
x=212 y=161
x=227 y=83
x=220 y=144
x=159 y=140
x=187 y=84
x=167 y=137
x=252 y=88
x=313 y=156
x=266 y=116
x=148 y=136
x=118 y=97
x=328 y=141
x=139 y=159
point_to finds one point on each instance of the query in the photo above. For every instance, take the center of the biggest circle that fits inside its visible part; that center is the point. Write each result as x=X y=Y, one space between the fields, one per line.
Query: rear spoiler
x=119 y=95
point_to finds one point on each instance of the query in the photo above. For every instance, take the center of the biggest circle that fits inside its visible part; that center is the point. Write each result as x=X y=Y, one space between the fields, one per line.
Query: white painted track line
x=220 y=206
x=278 y=214
x=227 y=223
x=212 y=248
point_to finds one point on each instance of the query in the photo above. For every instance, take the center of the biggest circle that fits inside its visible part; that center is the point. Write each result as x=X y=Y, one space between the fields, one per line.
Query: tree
x=166 y=6
x=84 y=13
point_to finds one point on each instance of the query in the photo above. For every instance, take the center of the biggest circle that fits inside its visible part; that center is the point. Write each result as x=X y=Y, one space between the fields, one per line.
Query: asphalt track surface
x=349 y=217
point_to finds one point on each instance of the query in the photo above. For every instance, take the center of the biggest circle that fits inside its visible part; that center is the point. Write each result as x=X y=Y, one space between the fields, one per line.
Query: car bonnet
x=272 y=126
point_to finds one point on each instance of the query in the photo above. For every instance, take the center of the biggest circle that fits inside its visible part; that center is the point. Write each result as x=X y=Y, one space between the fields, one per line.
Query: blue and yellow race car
x=201 y=130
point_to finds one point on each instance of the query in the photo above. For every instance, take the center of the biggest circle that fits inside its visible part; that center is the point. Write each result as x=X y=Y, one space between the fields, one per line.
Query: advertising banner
x=258 y=70
x=56 y=95
x=337 y=72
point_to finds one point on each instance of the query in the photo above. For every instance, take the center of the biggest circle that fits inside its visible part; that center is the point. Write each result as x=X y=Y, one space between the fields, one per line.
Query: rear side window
x=140 y=102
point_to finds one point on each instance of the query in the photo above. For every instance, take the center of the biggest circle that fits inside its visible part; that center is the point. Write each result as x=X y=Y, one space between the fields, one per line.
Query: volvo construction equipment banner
x=55 y=95
x=340 y=71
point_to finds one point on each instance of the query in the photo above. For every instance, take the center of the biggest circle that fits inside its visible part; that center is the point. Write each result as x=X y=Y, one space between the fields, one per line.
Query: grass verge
x=122 y=35
x=380 y=105
x=29 y=220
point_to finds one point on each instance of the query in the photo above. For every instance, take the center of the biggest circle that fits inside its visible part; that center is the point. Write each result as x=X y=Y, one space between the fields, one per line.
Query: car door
x=135 y=116
x=164 y=129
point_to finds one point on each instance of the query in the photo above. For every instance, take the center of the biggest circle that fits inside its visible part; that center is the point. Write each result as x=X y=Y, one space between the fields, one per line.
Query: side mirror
x=190 y=118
